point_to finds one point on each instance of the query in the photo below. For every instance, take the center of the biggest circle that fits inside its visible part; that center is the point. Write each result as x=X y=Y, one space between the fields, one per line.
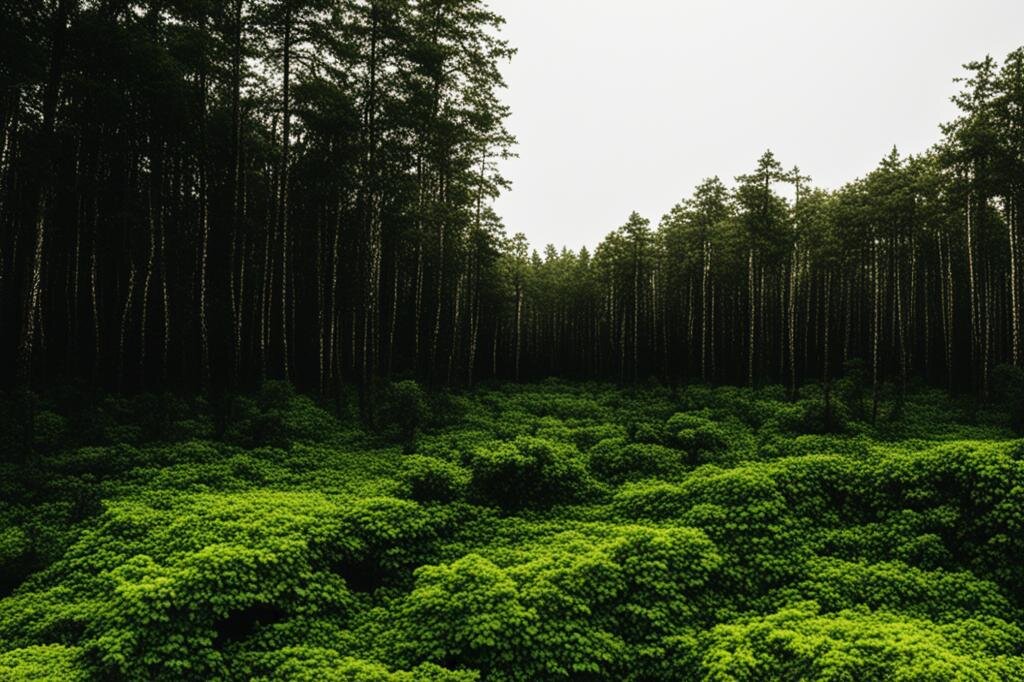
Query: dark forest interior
x=210 y=194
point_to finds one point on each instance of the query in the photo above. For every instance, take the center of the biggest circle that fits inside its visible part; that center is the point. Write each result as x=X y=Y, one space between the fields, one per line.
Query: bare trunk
x=519 y=326
x=286 y=124
x=753 y=312
x=1014 y=303
x=794 y=264
x=126 y=312
x=876 y=322
x=975 y=332
x=147 y=279
x=204 y=237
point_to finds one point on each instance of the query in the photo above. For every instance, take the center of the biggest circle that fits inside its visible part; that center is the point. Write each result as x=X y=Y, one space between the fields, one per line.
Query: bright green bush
x=941 y=596
x=427 y=479
x=309 y=664
x=798 y=643
x=44 y=662
x=652 y=433
x=528 y=472
x=470 y=612
x=616 y=460
x=574 y=607
x=701 y=439
x=742 y=510
x=586 y=437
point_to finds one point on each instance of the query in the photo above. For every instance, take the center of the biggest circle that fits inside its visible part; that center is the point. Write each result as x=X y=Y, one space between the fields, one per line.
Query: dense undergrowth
x=549 y=531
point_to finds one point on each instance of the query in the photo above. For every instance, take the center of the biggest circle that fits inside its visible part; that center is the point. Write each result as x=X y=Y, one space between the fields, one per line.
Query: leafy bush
x=313 y=664
x=527 y=472
x=44 y=662
x=701 y=439
x=577 y=607
x=277 y=416
x=586 y=437
x=798 y=643
x=427 y=479
x=941 y=596
x=615 y=460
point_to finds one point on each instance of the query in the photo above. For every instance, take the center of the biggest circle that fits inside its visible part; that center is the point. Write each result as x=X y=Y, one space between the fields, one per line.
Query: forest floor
x=521 y=532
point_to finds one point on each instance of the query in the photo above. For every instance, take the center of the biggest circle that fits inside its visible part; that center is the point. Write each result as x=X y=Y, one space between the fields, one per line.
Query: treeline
x=912 y=270
x=207 y=193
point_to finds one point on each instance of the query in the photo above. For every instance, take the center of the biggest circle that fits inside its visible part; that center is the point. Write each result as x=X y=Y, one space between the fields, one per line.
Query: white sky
x=626 y=105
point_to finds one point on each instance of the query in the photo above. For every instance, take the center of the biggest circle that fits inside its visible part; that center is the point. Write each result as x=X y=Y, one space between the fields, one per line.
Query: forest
x=209 y=194
x=282 y=398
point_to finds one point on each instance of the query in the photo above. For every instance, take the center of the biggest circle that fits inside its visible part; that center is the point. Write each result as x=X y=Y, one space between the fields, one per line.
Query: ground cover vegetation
x=516 y=532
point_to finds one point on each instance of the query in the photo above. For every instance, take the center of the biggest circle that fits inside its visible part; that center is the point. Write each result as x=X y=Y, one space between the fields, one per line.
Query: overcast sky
x=626 y=105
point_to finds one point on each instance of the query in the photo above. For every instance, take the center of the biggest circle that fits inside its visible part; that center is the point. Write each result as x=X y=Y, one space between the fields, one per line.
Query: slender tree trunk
x=286 y=132
x=825 y=376
x=753 y=311
x=876 y=322
x=394 y=314
x=436 y=333
x=519 y=326
x=971 y=280
x=150 y=266
x=792 y=322
x=1011 y=222
x=165 y=298
x=950 y=308
x=204 y=237
x=236 y=193
x=705 y=267
x=94 y=300
x=456 y=321
x=636 y=315
x=126 y=312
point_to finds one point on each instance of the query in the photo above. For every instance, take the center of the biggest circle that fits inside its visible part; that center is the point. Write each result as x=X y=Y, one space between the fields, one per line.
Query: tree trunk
x=283 y=188
x=753 y=312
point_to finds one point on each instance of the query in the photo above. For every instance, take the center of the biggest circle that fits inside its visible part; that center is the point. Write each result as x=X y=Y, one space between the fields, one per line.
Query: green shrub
x=528 y=472
x=586 y=437
x=701 y=438
x=277 y=416
x=852 y=388
x=313 y=664
x=743 y=512
x=616 y=461
x=573 y=607
x=44 y=662
x=940 y=596
x=650 y=432
x=798 y=643
x=427 y=479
